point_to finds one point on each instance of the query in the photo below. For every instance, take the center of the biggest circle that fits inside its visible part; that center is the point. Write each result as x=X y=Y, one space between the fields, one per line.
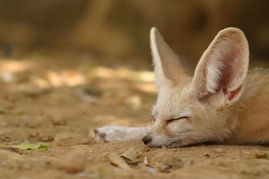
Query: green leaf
x=40 y=146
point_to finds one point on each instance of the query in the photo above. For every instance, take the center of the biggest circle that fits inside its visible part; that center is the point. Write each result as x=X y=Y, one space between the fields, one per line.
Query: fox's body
x=251 y=114
x=220 y=103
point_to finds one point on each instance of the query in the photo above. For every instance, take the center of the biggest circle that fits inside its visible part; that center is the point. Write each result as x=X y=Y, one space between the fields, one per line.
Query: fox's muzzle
x=146 y=139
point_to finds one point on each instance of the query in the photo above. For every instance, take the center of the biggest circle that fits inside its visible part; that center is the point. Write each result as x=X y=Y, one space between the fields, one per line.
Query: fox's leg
x=119 y=133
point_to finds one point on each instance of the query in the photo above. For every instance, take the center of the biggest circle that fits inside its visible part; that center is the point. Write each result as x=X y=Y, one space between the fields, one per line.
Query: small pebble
x=73 y=162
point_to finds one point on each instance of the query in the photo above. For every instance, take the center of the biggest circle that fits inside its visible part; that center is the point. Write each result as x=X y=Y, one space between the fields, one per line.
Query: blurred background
x=116 y=32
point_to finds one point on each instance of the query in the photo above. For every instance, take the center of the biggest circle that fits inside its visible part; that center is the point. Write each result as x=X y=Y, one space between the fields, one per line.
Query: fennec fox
x=219 y=103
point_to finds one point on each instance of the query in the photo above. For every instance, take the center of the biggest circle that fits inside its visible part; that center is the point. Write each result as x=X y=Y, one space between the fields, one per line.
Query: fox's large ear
x=223 y=66
x=167 y=66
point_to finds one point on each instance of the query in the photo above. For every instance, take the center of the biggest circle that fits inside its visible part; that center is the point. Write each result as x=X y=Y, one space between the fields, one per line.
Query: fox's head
x=193 y=109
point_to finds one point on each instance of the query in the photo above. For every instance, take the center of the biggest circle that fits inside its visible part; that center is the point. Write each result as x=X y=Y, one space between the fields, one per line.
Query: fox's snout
x=146 y=139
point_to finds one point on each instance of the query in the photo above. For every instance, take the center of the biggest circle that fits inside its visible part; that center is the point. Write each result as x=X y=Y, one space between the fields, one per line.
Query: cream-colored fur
x=220 y=103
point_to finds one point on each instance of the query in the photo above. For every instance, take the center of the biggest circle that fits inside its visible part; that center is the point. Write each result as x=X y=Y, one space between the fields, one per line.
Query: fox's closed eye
x=176 y=119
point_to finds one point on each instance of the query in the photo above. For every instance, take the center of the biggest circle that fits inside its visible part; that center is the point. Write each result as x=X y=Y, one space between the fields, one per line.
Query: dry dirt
x=61 y=102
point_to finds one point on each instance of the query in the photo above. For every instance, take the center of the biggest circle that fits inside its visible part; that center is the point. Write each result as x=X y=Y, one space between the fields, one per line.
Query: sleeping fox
x=220 y=103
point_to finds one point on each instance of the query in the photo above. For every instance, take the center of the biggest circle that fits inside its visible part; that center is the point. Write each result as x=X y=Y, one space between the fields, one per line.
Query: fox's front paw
x=111 y=133
x=119 y=133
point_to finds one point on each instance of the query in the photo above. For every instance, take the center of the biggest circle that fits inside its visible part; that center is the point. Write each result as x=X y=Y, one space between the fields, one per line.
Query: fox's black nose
x=146 y=139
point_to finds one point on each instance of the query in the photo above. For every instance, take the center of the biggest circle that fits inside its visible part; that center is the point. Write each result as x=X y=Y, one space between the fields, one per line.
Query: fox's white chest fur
x=219 y=103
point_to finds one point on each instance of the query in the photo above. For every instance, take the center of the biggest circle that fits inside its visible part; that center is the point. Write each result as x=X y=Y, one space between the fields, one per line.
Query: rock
x=73 y=162
x=165 y=162
x=11 y=159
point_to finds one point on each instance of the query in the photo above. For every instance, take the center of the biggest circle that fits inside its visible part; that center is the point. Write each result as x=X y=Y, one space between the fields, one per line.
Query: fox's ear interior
x=223 y=66
x=167 y=65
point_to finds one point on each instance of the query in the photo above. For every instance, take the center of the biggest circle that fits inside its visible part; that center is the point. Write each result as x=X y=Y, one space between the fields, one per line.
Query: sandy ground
x=60 y=103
